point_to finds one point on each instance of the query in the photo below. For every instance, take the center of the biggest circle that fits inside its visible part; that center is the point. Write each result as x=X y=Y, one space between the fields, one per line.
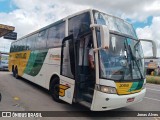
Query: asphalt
x=22 y=95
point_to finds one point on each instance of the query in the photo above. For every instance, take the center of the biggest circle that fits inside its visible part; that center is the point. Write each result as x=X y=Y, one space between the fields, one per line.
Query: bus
x=56 y=57
x=4 y=61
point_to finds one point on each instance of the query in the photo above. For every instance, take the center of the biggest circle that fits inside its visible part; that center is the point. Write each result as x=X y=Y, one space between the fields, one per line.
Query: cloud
x=34 y=14
x=151 y=32
x=134 y=9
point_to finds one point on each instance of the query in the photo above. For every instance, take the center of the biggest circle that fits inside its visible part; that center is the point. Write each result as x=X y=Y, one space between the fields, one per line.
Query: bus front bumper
x=103 y=101
x=3 y=67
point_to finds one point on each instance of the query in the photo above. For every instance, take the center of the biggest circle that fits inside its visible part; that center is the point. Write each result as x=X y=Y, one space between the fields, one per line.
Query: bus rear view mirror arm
x=154 y=47
x=100 y=48
x=104 y=35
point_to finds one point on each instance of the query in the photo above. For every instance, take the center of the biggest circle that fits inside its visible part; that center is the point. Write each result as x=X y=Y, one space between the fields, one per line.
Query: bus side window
x=27 y=44
x=79 y=24
x=41 y=42
x=31 y=41
x=55 y=35
x=12 y=48
x=19 y=45
x=15 y=47
x=24 y=45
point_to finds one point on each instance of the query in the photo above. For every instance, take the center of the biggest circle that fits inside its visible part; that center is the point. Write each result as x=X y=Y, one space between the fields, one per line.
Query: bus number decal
x=124 y=85
x=62 y=89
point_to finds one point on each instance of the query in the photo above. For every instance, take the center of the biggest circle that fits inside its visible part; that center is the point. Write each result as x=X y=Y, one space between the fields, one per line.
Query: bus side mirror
x=154 y=48
x=104 y=32
x=104 y=35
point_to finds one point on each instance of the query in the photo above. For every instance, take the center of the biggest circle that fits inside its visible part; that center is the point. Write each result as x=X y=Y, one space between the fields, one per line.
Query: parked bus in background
x=56 y=57
x=4 y=61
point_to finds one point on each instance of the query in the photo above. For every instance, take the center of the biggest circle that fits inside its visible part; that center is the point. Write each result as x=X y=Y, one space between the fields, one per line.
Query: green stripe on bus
x=35 y=62
x=136 y=86
x=133 y=87
x=140 y=84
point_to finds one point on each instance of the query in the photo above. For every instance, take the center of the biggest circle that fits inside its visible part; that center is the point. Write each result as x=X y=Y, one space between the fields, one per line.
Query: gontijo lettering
x=21 y=55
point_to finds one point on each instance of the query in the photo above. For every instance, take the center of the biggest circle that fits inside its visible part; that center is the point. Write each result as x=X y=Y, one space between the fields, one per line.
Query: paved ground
x=21 y=95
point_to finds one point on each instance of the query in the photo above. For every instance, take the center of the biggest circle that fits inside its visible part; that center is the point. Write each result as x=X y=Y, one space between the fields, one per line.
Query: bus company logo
x=54 y=57
x=21 y=55
x=62 y=89
x=124 y=85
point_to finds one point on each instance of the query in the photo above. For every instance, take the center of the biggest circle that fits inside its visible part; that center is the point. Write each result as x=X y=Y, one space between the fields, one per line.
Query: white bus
x=56 y=57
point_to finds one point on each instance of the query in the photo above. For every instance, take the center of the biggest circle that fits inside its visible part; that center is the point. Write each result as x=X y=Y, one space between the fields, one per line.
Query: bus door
x=75 y=78
x=67 y=78
x=85 y=79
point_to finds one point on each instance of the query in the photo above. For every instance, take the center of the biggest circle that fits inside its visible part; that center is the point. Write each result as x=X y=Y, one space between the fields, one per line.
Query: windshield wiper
x=130 y=65
x=137 y=50
x=124 y=70
x=134 y=58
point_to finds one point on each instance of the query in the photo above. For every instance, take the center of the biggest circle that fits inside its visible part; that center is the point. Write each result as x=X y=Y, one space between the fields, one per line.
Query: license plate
x=130 y=99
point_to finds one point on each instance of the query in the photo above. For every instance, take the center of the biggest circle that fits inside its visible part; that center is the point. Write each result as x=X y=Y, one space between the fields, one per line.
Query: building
x=152 y=65
x=5 y=29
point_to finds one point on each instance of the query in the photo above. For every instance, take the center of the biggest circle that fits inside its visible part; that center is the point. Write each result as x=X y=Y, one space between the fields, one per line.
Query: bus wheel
x=13 y=73
x=54 y=89
x=16 y=73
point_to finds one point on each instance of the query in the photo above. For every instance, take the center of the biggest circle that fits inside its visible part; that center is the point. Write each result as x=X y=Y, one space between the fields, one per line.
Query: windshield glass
x=123 y=60
x=114 y=24
x=4 y=57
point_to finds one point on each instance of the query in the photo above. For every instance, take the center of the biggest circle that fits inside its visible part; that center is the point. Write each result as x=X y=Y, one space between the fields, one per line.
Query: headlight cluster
x=106 y=89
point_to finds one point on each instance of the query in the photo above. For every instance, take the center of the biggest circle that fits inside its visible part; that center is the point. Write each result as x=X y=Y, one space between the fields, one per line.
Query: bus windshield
x=4 y=57
x=114 y=24
x=123 y=60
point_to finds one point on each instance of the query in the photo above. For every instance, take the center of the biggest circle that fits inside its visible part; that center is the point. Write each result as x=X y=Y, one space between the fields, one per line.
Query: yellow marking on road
x=16 y=98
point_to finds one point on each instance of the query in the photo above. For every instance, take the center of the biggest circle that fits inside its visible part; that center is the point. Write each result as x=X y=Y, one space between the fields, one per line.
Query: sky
x=28 y=16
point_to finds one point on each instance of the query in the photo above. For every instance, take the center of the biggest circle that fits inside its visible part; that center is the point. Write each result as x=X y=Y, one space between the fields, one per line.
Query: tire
x=54 y=90
x=13 y=73
x=16 y=73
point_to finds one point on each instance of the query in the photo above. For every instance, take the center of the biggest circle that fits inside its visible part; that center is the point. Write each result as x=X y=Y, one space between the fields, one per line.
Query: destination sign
x=11 y=35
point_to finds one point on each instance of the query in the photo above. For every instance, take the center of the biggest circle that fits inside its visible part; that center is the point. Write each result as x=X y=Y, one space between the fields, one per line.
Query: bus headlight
x=106 y=89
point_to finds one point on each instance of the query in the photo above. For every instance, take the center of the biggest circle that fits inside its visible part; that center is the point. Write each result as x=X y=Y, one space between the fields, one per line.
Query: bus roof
x=61 y=20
